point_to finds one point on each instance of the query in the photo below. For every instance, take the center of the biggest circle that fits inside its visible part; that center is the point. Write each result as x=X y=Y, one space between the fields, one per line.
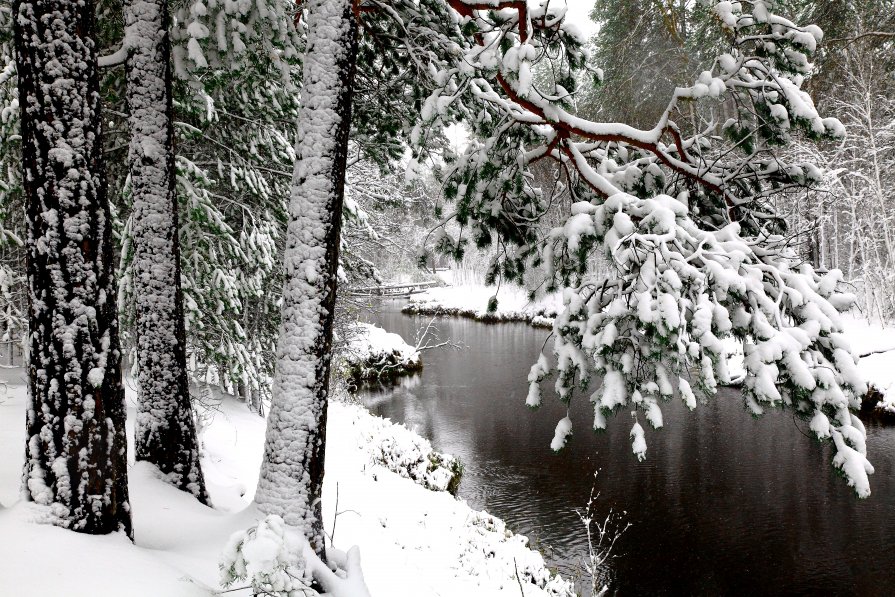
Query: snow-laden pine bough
x=682 y=215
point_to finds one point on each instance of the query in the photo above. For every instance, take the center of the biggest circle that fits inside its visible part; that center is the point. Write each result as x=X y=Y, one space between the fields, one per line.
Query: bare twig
x=880 y=351
x=854 y=38
x=518 y=580
x=428 y=331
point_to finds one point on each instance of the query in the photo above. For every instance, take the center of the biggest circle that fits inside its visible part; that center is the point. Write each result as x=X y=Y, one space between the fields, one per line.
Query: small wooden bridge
x=393 y=289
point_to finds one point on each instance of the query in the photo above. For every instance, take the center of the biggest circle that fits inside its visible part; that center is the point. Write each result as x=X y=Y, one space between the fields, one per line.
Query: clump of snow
x=638 y=441
x=563 y=431
x=372 y=353
x=853 y=464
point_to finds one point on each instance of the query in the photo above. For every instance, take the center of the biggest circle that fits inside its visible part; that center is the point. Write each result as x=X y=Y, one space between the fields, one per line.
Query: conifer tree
x=13 y=310
x=236 y=95
x=76 y=455
x=291 y=480
x=165 y=429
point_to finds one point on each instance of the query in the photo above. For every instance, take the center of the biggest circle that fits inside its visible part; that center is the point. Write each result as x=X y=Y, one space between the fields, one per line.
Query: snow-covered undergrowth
x=471 y=300
x=372 y=353
x=414 y=542
x=404 y=452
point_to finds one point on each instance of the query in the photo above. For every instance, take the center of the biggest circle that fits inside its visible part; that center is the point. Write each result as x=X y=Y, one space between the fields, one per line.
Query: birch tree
x=849 y=222
x=76 y=455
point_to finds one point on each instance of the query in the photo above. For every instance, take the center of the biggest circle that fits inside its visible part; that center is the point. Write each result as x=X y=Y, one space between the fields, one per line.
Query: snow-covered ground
x=373 y=353
x=414 y=541
x=876 y=346
x=471 y=300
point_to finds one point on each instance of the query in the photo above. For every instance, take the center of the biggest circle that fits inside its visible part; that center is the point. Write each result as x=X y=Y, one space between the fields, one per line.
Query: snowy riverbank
x=875 y=344
x=414 y=541
x=471 y=300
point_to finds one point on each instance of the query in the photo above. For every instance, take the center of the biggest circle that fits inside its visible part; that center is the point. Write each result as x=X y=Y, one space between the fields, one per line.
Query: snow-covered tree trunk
x=291 y=479
x=165 y=430
x=76 y=455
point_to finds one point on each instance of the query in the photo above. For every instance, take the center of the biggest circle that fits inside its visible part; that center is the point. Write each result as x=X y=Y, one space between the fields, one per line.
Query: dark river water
x=724 y=504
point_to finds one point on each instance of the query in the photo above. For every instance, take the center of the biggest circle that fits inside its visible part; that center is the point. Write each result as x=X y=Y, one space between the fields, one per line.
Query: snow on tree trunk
x=76 y=455
x=165 y=430
x=291 y=478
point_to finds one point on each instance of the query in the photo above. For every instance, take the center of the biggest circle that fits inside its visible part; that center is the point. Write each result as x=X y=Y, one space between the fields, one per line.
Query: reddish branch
x=565 y=130
x=466 y=9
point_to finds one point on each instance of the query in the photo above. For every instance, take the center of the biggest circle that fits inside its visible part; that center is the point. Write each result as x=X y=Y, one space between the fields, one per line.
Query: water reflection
x=723 y=504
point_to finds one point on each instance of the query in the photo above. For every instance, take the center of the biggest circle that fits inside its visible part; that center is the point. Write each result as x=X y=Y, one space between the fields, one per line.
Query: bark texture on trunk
x=291 y=480
x=165 y=429
x=76 y=454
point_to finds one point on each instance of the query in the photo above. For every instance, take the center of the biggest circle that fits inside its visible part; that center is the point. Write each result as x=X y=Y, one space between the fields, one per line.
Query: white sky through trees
x=579 y=13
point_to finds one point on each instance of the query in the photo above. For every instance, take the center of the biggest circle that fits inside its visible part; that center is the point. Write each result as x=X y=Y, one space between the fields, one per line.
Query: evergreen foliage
x=696 y=250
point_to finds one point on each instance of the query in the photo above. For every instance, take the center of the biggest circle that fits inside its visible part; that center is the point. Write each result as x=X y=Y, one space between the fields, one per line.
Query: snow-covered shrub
x=494 y=550
x=278 y=562
x=371 y=353
x=270 y=556
x=403 y=452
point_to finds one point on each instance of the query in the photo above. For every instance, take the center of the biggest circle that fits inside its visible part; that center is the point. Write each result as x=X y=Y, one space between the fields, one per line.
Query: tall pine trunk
x=76 y=455
x=291 y=479
x=165 y=430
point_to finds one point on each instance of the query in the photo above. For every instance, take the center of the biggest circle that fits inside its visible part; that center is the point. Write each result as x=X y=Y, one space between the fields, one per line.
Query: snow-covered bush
x=403 y=452
x=372 y=353
x=278 y=561
x=506 y=552
x=270 y=556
